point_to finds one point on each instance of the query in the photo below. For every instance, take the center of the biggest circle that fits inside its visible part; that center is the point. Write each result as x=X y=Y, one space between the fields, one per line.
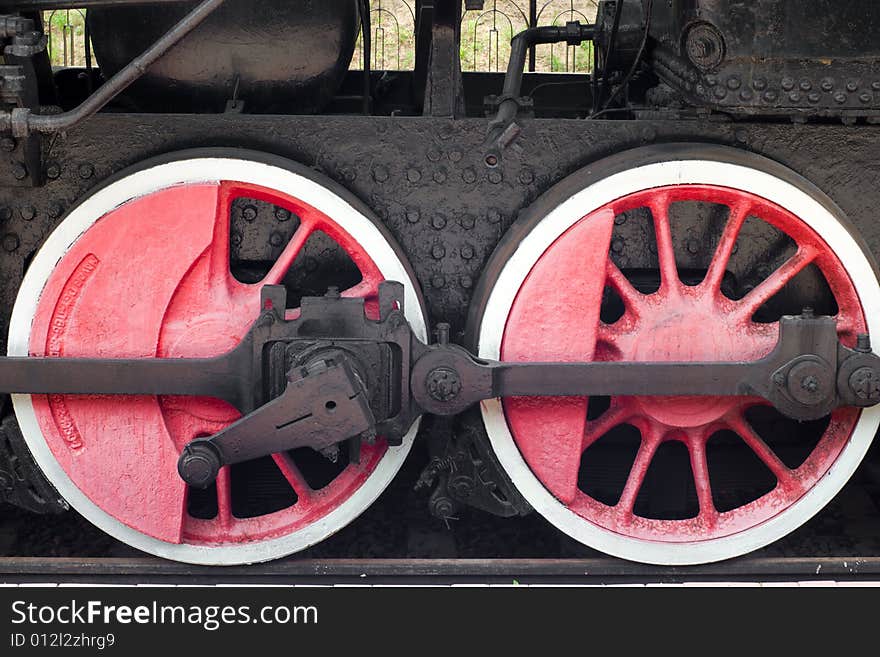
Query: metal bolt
x=443 y=384
x=282 y=214
x=11 y=242
x=469 y=175
x=413 y=175
x=438 y=221
x=440 y=177
x=433 y=155
x=852 y=85
x=53 y=170
x=733 y=83
x=442 y=331
x=810 y=383
x=438 y=252
x=840 y=98
x=759 y=84
x=28 y=212
x=55 y=209
x=794 y=97
x=276 y=239
x=439 y=282
x=19 y=172
x=693 y=246
x=7 y=144
x=332 y=292
x=863 y=343
x=865 y=384
x=467 y=222
x=494 y=216
x=413 y=216
x=236 y=239
x=866 y=97
x=806 y=85
x=526 y=177
x=86 y=171
x=617 y=245
x=492 y=160
x=442 y=508
x=461 y=486
x=467 y=252
x=249 y=213
x=455 y=156
x=807 y=312
x=466 y=282
x=770 y=96
x=495 y=177
x=788 y=84
x=827 y=84
x=380 y=174
x=619 y=219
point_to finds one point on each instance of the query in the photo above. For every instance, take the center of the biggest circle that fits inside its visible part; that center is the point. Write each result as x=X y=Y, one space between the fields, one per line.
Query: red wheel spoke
x=615 y=279
x=291 y=251
x=366 y=288
x=224 y=498
x=749 y=305
x=659 y=206
x=617 y=414
x=738 y=424
x=696 y=444
x=650 y=441
x=726 y=243
x=294 y=477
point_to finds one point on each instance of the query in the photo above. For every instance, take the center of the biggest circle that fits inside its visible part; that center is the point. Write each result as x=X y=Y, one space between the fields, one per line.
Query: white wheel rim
x=154 y=179
x=569 y=212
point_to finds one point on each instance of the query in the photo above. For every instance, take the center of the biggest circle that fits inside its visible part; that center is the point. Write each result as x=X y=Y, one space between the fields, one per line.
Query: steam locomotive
x=240 y=280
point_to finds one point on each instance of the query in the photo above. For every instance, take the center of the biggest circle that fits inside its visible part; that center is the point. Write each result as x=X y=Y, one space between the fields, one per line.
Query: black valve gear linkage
x=333 y=375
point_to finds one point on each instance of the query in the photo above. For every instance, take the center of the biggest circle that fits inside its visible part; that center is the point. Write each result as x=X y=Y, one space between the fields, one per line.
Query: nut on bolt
x=865 y=384
x=443 y=384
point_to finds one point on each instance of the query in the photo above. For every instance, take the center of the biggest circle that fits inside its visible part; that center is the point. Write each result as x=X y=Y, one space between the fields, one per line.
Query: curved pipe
x=22 y=122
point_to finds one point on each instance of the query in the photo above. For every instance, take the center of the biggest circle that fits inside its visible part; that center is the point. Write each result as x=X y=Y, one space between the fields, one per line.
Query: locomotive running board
x=333 y=374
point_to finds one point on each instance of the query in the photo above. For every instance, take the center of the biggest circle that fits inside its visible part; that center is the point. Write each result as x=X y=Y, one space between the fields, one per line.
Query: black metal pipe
x=573 y=33
x=40 y=5
x=22 y=122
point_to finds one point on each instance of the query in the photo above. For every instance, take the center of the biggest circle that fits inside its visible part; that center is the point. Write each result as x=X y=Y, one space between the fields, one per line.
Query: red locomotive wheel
x=142 y=270
x=671 y=480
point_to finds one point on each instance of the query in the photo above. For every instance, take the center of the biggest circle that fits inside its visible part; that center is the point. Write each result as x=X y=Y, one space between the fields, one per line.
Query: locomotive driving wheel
x=142 y=269
x=673 y=480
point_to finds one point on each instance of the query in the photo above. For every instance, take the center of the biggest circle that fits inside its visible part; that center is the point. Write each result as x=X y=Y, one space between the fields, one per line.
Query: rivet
x=467 y=222
x=236 y=239
x=770 y=96
x=746 y=94
x=469 y=175
x=249 y=213
x=814 y=97
x=711 y=80
x=455 y=156
x=794 y=97
x=433 y=155
x=53 y=170
x=276 y=238
x=617 y=245
x=494 y=215
x=10 y=242
x=806 y=85
x=827 y=84
x=840 y=97
x=720 y=93
x=467 y=282
x=28 y=212
x=438 y=252
x=467 y=252
x=875 y=85
x=526 y=177
x=380 y=174
x=19 y=172
x=852 y=85
x=788 y=84
x=413 y=175
x=619 y=220
x=440 y=177
x=350 y=175
x=282 y=214
x=865 y=97
x=759 y=84
x=495 y=177
x=693 y=246
x=86 y=171
x=413 y=216
x=7 y=144
x=438 y=282
x=438 y=221
x=733 y=83
x=55 y=209
x=742 y=136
